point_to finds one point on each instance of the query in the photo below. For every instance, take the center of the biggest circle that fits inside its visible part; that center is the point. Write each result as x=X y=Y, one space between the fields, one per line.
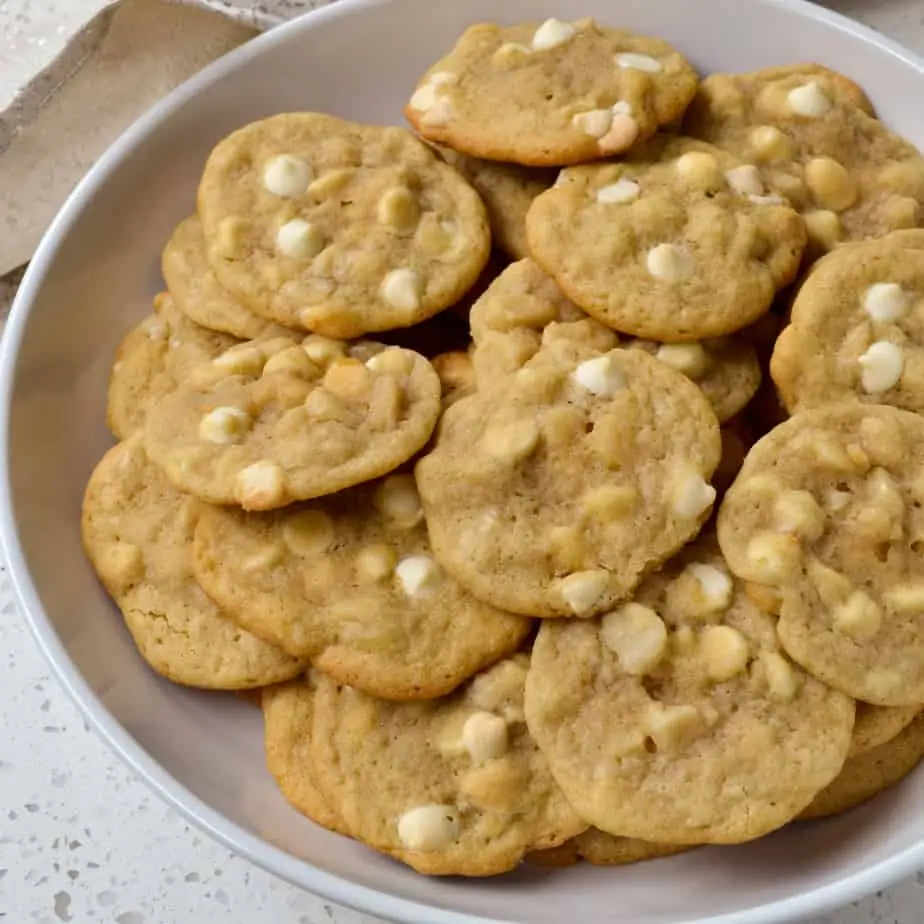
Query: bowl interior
x=95 y=276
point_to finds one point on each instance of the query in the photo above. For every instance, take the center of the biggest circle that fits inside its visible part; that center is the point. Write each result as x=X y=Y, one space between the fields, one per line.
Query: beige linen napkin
x=124 y=57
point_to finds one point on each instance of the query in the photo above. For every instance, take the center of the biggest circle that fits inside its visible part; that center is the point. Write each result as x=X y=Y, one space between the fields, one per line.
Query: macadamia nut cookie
x=875 y=725
x=339 y=228
x=278 y=420
x=602 y=849
x=349 y=581
x=671 y=244
x=675 y=717
x=554 y=492
x=828 y=512
x=812 y=138
x=454 y=786
x=551 y=93
x=857 y=328
x=153 y=360
x=137 y=532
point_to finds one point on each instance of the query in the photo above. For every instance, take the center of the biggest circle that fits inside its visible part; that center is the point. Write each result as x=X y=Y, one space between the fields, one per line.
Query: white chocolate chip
x=485 y=736
x=583 y=589
x=511 y=53
x=441 y=78
x=668 y=262
x=671 y=727
x=599 y=376
x=401 y=289
x=416 y=574
x=809 y=100
x=767 y=200
x=423 y=97
x=551 y=34
x=429 y=827
x=238 y=361
x=618 y=193
x=329 y=183
x=322 y=350
x=610 y=502
x=440 y=113
x=905 y=598
x=511 y=442
x=716 y=585
x=398 y=207
x=287 y=176
x=299 y=239
x=396 y=498
x=859 y=618
x=629 y=59
x=745 y=180
x=595 y=122
x=224 y=425
x=837 y=500
x=308 y=532
x=692 y=495
x=622 y=132
x=260 y=486
x=885 y=302
x=293 y=361
x=701 y=169
x=798 y=512
x=725 y=651
x=882 y=366
x=782 y=680
x=621 y=107
x=376 y=563
x=771 y=558
x=688 y=358
x=637 y=635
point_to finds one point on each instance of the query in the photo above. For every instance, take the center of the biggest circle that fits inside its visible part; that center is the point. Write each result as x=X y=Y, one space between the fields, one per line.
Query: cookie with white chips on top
x=550 y=93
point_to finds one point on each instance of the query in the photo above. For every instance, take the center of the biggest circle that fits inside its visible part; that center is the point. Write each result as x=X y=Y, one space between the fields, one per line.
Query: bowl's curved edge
x=235 y=838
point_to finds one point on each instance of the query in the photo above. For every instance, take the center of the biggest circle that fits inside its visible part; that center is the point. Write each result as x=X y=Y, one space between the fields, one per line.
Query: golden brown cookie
x=828 y=511
x=278 y=420
x=137 y=533
x=667 y=244
x=602 y=849
x=454 y=786
x=676 y=718
x=337 y=227
x=153 y=359
x=349 y=581
x=875 y=725
x=551 y=93
x=553 y=492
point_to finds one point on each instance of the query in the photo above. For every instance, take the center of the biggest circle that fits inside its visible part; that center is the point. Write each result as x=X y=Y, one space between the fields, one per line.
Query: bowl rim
x=232 y=836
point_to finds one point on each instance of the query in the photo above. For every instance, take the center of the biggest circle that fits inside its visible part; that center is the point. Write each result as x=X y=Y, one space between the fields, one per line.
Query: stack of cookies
x=426 y=436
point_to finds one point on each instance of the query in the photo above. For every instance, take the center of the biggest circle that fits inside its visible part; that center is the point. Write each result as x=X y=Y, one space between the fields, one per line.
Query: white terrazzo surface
x=81 y=840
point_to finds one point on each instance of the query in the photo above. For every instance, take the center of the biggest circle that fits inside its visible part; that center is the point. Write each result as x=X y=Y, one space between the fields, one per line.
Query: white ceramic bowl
x=93 y=277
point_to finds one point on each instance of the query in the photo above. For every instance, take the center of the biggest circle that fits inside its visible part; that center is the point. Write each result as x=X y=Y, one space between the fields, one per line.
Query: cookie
x=454 y=786
x=339 y=228
x=875 y=725
x=507 y=191
x=288 y=713
x=812 y=138
x=676 y=718
x=870 y=773
x=349 y=581
x=273 y=421
x=552 y=493
x=523 y=301
x=602 y=849
x=551 y=93
x=196 y=291
x=137 y=532
x=457 y=375
x=668 y=244
x=857 y=328
x=827 y=512
x=153 y=359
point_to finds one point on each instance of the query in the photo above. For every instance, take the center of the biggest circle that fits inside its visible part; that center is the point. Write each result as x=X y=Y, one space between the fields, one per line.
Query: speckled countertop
x=81 y=840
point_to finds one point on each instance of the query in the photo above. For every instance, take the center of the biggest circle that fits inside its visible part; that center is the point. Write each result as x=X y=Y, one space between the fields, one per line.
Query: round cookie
x=273 y=421
x=454 y=786
x=828 y=512
x=153 y=359
x=552 y=493
x=857 y=328
x=668 y=244
x=137 y=532
x=288 y=713
x=602 y=849
x=196 y=290
x=507 y=190
x=870 y=773
x=813 y=139
x=339 y=228
x=348 y=581
x=875 y=725
x=675 y=718
x=551 y=93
